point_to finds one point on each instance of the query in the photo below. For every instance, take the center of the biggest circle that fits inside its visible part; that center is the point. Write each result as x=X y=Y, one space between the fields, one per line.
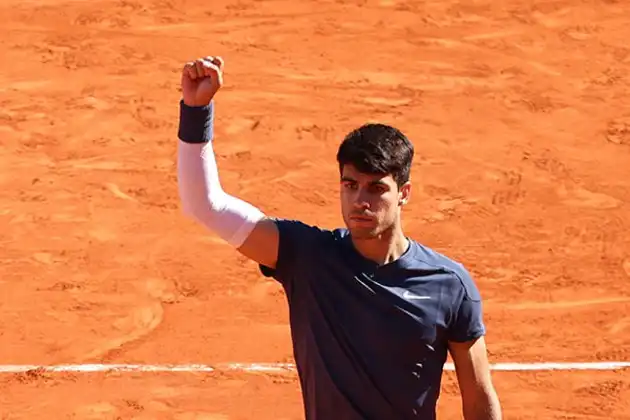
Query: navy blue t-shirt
x=370 y=341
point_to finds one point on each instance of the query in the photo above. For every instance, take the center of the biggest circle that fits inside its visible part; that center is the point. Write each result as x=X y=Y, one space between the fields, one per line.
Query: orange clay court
x=520 y=114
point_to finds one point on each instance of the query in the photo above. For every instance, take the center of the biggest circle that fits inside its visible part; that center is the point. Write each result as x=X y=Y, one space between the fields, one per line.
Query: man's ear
x=404 y=194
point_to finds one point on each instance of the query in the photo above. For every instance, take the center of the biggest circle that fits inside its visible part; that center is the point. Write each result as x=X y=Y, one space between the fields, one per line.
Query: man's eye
x=377 y=189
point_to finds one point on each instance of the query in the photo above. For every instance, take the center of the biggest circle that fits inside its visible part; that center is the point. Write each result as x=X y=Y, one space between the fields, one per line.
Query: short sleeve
x=467 y=322
x=297 y=242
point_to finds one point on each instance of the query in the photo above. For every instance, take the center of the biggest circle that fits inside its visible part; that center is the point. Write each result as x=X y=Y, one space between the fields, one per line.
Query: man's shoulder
x=458 y=272
x=307 y=232
x=299 y=246
x=424 y=254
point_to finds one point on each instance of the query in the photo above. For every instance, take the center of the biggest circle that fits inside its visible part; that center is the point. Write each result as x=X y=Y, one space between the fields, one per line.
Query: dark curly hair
x=377 y=149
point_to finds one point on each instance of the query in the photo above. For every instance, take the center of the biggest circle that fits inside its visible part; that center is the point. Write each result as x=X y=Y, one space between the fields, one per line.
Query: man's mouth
x=361 y=218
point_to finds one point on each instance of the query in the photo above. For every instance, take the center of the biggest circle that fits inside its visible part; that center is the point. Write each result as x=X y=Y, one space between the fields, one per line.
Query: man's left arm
x=467 y=347
x=479 y=397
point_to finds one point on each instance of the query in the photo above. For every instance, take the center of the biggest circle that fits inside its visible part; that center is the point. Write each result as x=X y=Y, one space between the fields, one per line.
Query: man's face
x=370 y=203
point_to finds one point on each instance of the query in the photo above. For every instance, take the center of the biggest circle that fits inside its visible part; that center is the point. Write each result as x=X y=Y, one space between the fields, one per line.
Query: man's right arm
x=262 y=244
x=236 y=221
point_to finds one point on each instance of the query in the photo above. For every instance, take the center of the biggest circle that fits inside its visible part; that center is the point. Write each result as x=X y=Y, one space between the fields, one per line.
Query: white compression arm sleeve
x=204 y=200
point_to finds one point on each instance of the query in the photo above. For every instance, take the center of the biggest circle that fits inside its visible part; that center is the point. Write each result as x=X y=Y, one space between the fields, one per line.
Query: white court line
x=280 y=367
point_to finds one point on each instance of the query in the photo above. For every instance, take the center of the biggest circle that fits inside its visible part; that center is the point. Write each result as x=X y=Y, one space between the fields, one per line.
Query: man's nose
x=361 y=200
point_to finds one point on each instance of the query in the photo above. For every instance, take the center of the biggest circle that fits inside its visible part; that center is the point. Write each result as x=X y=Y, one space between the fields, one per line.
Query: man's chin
x=363 y=232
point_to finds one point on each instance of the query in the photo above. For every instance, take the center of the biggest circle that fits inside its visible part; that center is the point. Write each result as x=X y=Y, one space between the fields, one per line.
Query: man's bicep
x=284 y=248
x=472 y=367
x=470 y=357
x=263 y=243
x=466 y=335
x=479 y=397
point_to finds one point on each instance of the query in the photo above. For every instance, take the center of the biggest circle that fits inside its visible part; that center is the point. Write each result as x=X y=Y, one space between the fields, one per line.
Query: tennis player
x=373 y=313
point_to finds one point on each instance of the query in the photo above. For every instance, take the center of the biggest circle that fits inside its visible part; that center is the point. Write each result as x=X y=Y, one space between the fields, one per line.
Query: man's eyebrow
x=375 y=182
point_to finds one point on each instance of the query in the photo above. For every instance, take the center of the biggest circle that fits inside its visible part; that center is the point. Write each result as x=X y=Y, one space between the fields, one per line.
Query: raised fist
x=201 y=79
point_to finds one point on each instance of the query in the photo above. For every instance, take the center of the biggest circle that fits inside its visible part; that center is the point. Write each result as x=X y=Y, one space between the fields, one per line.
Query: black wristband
x=196 y=123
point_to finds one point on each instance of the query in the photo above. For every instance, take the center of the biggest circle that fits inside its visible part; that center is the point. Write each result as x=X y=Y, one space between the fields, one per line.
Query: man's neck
x=383 y=249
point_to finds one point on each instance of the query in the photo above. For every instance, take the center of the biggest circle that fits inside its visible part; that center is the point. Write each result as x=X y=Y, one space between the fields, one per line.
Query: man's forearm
x=200 y=190
x=485 y=407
